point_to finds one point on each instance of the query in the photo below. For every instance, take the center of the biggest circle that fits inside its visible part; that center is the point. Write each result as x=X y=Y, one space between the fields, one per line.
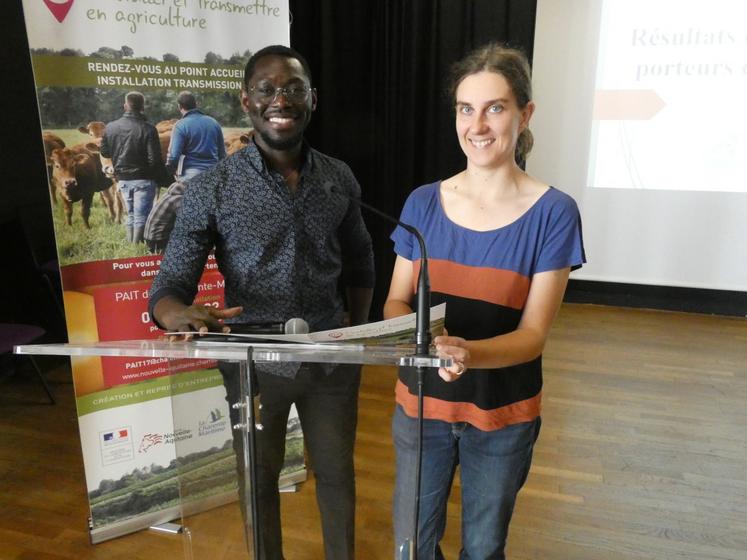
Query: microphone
x=423 y=302
x=291 y=326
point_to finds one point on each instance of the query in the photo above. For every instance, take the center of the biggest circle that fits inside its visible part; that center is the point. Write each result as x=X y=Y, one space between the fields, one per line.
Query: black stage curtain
x=381 y=68
x=22 y=163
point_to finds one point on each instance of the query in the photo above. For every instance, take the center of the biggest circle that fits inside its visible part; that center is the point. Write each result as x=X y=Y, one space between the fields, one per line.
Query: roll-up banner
x=86 y=56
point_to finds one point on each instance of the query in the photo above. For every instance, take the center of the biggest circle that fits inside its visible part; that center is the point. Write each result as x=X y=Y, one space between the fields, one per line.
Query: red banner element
x=122 y=314
x=59 y=9
x=77 y=277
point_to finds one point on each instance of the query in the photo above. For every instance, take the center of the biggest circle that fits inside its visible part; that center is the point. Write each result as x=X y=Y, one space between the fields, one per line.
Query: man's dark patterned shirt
x=281 y=253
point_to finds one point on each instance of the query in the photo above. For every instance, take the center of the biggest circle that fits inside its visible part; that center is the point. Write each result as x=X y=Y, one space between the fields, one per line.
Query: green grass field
x=105 y=240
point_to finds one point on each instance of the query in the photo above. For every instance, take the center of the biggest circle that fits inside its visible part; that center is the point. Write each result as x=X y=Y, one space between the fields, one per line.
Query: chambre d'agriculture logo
x=214 y=422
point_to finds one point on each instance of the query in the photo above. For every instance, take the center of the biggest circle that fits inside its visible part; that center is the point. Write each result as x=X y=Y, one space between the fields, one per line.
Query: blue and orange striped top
x=484 y=278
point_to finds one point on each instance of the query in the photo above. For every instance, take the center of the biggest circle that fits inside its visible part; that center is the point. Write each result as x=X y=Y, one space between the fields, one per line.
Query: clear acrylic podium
x=205 y=527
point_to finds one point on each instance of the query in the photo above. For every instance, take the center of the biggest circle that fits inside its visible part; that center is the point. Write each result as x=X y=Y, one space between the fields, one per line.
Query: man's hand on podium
x=175 y=316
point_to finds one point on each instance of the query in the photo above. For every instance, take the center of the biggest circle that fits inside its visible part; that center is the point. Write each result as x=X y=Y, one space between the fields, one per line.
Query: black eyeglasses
x=268 y=93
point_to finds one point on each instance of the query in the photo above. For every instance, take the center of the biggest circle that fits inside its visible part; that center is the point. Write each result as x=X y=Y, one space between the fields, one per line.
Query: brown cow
x=51 y=142
x=108 y=169
x=95 y=129
x=164 y=129
x=166 y=126
x=117 y=209
x=77 y=175
x=234 y=141
x=106 y=163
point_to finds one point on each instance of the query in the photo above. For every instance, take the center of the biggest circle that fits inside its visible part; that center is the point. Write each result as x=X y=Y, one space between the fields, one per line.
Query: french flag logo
x=115 y=436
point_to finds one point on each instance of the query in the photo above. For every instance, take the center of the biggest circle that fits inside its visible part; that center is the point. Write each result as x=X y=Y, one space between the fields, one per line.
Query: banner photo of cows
x=87 y=55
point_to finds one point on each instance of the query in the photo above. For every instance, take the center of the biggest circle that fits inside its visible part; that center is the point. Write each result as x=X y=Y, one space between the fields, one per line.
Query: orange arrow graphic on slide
x=626 y=104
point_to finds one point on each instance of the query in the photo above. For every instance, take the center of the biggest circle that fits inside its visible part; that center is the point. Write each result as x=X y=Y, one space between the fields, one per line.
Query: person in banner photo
x=162 y=217
x=283 y=243
x=196 y=140
x=131 y=142
x=501 y=245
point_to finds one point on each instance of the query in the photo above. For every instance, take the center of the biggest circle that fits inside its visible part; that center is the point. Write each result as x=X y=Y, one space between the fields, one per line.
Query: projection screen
x=642 y=117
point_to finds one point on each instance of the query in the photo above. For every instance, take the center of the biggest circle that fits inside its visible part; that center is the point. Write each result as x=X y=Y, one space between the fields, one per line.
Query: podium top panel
x=261 y=352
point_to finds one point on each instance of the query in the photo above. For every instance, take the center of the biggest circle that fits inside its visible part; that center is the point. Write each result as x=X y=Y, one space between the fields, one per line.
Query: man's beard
x=281 y=143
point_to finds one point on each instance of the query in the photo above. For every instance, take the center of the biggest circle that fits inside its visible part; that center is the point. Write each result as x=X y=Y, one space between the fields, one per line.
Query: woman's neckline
x=513 y=222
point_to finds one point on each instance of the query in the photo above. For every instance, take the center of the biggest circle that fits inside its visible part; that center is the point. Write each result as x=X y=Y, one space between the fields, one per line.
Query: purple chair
x=12 y=334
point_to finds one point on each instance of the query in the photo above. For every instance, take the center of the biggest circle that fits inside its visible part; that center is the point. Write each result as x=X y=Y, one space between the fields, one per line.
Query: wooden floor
x=642 y=455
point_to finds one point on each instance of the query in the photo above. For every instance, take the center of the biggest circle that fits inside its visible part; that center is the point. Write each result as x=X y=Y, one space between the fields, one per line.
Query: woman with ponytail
x=501 y=245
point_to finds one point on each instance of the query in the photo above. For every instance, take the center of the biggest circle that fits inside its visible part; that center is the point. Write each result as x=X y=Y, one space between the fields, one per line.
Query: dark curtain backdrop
x=381 y=68
x=24 y=173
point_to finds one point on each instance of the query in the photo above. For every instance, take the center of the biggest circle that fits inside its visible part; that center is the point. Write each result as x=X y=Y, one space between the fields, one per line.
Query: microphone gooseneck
x=423 y=297
x=422 y=345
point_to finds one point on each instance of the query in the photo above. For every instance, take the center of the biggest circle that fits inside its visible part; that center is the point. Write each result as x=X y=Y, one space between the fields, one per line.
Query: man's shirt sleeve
x=356 y=245
x=190 y=243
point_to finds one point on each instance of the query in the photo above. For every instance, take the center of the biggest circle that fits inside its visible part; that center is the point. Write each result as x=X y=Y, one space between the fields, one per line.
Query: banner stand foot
x=170 y=528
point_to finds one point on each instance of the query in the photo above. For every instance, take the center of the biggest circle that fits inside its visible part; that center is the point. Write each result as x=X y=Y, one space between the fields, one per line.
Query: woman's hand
x=453 y=347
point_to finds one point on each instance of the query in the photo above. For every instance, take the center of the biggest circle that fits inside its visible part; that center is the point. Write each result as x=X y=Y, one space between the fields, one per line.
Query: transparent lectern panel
x=219 y=525
x=206 y=487
x=374 y=463
x=368 y=421
x=212 y=520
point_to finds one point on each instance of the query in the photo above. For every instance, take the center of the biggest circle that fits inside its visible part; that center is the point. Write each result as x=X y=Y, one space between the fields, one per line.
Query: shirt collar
x=259 y=163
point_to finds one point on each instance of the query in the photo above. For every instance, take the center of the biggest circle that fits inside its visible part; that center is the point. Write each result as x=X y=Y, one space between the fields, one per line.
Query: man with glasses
x=283 y=241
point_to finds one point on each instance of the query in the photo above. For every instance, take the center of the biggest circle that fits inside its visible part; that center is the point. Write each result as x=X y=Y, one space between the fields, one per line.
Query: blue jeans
x=138 y=195
x=493 y=465
x=190 y=173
